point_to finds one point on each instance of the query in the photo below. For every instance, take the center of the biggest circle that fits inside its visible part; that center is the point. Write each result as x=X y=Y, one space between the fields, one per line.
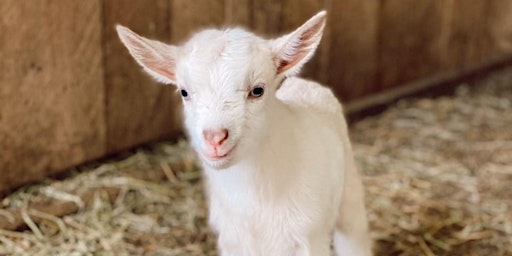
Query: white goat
x=281 y=178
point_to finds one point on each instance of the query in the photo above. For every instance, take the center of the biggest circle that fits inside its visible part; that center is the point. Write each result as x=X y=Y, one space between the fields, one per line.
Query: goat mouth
x=219 y=157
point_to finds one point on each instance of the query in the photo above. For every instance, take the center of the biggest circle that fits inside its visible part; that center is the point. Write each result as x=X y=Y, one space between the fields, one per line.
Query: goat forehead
x=210 y=45
x=220 y=59
x=220 y=76
x=206 y=46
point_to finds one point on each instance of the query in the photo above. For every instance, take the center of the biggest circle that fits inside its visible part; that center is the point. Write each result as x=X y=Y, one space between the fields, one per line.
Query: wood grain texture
x=499 y=25
x=468 y=33
x=481 y=30
x=410 y=40
x=138 y=109
x=237 y=13
x=70 y=91
x=51 y=88
x=265 y=17
x=353 y=57
x=188 y=17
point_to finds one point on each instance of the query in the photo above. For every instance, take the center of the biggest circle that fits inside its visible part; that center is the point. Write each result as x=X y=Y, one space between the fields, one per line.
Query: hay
x=150 y=203
x=438 y=175
x=439 y=172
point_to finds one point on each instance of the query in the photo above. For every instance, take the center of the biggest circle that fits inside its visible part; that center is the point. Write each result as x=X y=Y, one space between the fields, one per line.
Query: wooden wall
x=69 y=91
x=52 y=89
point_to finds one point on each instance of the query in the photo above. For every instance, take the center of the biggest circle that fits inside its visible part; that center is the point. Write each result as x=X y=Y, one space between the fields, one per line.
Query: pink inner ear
x=299 y=53
x=152 y=57
x=282 y=66
x=163 y=67
x=298 y=48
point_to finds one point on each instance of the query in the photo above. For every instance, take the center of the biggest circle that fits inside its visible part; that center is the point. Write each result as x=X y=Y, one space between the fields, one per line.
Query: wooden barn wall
x=52 y=93
x=69 y=91
x=137 y=108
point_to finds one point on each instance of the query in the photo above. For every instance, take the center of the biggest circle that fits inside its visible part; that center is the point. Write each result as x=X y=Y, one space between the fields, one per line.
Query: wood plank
x=265 y=17
x=188 y=17
x=138 y=109
x=52 y=88
x=499 y=26
x=353 y=58
x=237 y=13
x=468 y=35
x=443 y=83
x=410 y=40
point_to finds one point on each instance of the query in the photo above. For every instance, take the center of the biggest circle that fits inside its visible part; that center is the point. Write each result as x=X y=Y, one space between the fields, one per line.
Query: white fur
x=288 y=182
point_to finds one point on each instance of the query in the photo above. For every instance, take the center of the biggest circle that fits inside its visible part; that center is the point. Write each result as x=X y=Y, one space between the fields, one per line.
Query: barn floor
x=438 y=176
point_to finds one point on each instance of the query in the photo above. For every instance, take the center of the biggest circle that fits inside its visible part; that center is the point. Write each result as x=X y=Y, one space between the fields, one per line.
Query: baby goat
x=281 y=178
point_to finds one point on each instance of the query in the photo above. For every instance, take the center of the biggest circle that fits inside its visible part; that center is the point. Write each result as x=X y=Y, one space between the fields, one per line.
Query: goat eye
x=184 y=93
x=257 y=92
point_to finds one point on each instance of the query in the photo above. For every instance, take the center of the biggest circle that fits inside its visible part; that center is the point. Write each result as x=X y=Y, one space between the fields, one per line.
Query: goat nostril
x=223 y=136
x=216 y=137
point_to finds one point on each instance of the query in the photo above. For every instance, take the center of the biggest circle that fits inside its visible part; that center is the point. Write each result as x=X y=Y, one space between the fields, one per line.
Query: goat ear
x=293 y=50
x=158 y=59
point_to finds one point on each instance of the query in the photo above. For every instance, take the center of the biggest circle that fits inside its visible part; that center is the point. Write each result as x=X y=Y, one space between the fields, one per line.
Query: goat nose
x=216 y=137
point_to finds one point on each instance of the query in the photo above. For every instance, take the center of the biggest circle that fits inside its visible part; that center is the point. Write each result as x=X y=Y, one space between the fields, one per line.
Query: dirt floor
x=438 y=176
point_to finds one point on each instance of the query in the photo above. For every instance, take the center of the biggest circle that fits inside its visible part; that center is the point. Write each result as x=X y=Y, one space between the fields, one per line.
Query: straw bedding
x=438 y=177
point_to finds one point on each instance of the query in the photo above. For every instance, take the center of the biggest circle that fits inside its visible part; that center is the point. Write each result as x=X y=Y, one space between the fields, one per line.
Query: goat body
x=281 y=178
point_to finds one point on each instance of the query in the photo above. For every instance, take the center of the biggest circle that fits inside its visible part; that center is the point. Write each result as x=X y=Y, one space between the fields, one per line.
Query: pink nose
x=215 y=137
